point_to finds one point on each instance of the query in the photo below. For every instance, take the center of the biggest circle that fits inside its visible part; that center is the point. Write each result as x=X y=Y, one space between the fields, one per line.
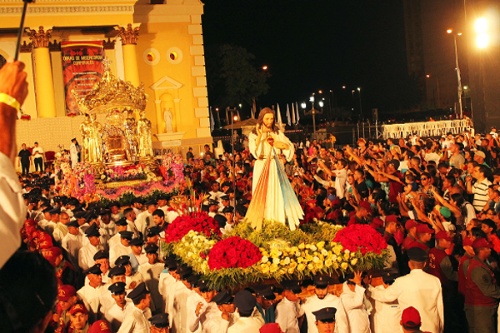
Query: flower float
x=246 y=256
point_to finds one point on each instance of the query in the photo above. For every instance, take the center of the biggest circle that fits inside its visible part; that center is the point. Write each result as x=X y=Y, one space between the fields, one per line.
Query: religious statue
x=85 y=131
x=273 y=197
x=95 y=131
x=167 y=116
x=130 y=130
x=144 y=136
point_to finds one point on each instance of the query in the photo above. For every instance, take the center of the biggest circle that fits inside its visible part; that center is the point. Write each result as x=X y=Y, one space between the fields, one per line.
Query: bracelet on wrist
x=10 y=101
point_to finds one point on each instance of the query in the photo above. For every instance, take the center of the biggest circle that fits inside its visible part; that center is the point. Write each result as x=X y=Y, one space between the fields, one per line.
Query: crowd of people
x=435 y=200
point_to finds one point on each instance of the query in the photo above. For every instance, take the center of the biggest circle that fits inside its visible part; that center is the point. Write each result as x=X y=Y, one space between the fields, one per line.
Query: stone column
x=129 y=37
x=44 y=83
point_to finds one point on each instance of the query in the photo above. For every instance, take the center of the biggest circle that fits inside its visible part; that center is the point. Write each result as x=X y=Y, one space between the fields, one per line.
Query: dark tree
x=233 y=77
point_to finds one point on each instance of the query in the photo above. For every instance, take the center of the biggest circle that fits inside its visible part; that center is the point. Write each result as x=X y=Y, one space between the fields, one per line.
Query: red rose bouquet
x=361 y=237
x=199 y=222
x=233 y=252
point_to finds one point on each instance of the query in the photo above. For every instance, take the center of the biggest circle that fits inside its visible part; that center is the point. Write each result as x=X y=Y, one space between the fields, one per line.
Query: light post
x=459 y=78
x=313 y=112
x=360 y=105
x=234 y=118
x=218 y=117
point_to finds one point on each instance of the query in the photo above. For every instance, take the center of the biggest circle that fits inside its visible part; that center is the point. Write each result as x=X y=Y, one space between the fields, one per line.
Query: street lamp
x=312 y=112
x=482 y=36
x=360 y=105
x=459 y=78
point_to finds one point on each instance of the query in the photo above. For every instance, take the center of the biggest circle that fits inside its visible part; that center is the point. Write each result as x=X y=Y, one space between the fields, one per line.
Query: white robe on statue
x=275 y=208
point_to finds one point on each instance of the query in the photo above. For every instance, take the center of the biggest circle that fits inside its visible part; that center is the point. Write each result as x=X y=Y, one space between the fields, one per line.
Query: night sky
x=318 y=44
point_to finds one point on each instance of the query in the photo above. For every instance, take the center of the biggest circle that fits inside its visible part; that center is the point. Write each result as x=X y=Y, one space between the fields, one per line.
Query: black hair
x=24 y=300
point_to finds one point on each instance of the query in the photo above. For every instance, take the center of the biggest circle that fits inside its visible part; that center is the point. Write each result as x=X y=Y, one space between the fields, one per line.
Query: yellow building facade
x=157 y=45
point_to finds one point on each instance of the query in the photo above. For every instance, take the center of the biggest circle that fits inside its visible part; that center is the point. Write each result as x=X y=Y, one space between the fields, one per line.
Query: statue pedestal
x=168 y=140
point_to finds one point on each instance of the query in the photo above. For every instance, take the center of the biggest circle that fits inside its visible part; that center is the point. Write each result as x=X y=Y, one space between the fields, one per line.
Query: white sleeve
x=12 y=209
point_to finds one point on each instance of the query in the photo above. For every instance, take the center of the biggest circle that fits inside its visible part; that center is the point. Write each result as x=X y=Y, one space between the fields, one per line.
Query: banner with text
x=82 y=68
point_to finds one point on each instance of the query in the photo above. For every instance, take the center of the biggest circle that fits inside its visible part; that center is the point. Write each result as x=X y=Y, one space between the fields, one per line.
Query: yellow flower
x=276 y=261
x=346 y=256
x=302 y=246
x=354 y=261
x=285 y=261
x=335 y=265
x=337 y=249
x=320 y=245
x=264 y=259
x=316 y=260
x=275 y=253
x=339 y=259
x=301 y=267
x=313 y=247
x=353 y=254
x=293 y=264
x=291 y=270
x=310 y=266
x=328 y=262
x=319 y=265
x=264 y=268
x=274 y=268
x=344 y=266
x=324 y=252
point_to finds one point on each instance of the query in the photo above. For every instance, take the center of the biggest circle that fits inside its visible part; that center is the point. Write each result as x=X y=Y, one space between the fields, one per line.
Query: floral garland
x=361 y=237
x=143 y=190
x=233 y=252
x=123 y=173
x=199 y=221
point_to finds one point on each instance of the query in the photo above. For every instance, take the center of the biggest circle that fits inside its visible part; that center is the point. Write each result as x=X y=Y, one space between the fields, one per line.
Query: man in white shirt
x=245 y=303
x=145 y=219
x=87 y=252
x=37 y=153
x=288 y=310
x=418 y=289
x=122 y=248
x=136 y=320
x=73 y=241
x=115 y=315
x=92 y=292
x=322 y=299
x=150 y=272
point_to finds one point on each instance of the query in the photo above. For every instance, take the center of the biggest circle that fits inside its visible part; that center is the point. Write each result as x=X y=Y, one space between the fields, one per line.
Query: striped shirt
x=480 y=191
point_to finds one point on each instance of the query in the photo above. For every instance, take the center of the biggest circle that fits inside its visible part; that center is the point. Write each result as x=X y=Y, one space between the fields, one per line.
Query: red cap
x=65 y=292
x=411 y=317
x=423 y=228
x=270 y=328
x=480 y=243
x=51 y=254
x=365 y=204
x=411 y=224
x=44 y=241
x=78 y=307
x=443 y=235
x=100 y=326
